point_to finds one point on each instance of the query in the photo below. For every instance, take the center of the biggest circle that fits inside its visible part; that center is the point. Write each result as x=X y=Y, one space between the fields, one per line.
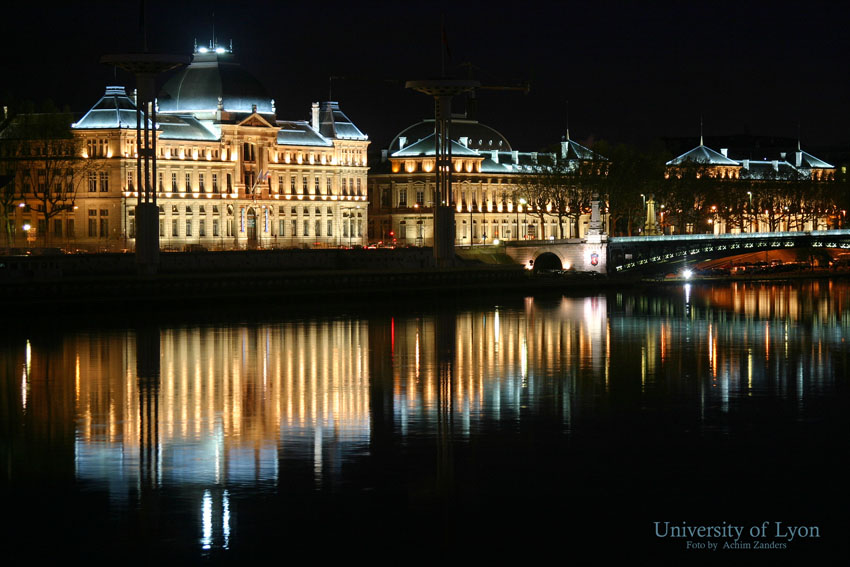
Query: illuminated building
x=763 y=195
x=486 y=178
x=229 y=175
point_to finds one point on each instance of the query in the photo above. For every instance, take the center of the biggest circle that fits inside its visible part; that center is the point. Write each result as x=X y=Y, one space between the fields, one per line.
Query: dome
x=213 y=76
x=468 y=133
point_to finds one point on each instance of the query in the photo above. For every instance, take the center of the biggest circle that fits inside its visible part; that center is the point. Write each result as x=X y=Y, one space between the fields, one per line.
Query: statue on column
x=651 y=228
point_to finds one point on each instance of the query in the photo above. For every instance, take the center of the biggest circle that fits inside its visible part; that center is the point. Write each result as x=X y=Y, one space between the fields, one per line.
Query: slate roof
x=299 y=133
x=579 y=152
x=704 y=155
x=811 y=161
x=183 y=127
x=333 y=123
x=427 y=147
x=197 y=87
x=114 y=110
x=479 y=136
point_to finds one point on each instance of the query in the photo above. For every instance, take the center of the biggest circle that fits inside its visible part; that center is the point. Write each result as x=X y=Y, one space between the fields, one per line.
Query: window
x=306 y=228
x=344 y=187
x=402 y=197
x=330 y=227
x=161 y=183
x=420 y=197
x=188 y=182
x=292 y=185
x=215 y=182
x=201 y=183
x=358 y=186
x=132 y=230
x=92 y=223
x=202 y=227
x=69 y=228
x=317 y=229
x=280 y=184
x=215 y=227
x=329 y=186
x=104 y=182
x=130 y=181
x=174 y=227
x=92 y=182
x=174 y=182
x=229 y=183
x=294 y=227
x=57 y=227
x=161 y=227
x=281 y=227
x=188 y=209
x=316 y=186
x=104 y=227
x=174 y=210
x=304 y=185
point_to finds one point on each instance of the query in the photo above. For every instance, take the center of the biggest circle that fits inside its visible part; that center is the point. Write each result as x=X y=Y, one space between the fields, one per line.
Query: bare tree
x=46 y=164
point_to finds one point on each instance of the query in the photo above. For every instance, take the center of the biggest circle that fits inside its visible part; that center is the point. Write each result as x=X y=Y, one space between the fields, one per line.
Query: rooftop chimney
x=725 y=152
x=315 y=116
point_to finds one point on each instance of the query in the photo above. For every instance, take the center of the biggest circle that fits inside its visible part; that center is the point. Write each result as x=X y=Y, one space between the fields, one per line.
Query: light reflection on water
x=210 y=410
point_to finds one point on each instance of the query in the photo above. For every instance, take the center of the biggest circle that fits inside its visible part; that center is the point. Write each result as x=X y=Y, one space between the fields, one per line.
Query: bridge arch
x=657 y=254
x=548 y=261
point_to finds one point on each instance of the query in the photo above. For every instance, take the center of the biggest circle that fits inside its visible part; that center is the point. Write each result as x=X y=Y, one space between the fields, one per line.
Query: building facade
x=788 y=192
x=230 y=175
x=488 y=176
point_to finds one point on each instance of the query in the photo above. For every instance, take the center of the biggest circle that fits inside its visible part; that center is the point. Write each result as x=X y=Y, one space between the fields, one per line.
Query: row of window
x=350 y=227
x=350 y=186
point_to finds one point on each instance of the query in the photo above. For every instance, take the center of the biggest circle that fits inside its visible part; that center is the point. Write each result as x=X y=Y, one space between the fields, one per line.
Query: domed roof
x=476 y=136
x=214 y=75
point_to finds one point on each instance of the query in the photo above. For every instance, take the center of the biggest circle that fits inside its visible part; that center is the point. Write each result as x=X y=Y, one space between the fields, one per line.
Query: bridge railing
x=727 y=236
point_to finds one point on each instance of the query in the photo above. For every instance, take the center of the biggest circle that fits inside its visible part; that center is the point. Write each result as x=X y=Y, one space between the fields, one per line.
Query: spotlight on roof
x=220 y=50
x=202 y=50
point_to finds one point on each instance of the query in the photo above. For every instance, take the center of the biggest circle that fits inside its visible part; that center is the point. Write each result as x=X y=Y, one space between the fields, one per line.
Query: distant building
x=229 y=174
x=486 y=175
x=763 y=195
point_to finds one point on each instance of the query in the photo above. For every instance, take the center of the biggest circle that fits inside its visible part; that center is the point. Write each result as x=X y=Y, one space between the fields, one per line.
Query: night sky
x=632 y=71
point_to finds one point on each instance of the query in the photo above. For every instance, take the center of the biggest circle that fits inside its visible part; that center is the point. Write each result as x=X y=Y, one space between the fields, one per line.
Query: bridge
x=657 y=254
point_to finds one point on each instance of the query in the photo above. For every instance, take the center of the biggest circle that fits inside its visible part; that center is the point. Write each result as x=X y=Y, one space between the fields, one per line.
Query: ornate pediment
x=256 y=121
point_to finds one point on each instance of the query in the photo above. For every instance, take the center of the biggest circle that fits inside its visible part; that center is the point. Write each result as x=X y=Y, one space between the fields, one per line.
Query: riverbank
x=256 y=279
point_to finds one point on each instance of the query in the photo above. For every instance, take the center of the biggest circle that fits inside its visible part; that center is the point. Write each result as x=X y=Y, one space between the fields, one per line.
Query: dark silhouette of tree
x=45 y=162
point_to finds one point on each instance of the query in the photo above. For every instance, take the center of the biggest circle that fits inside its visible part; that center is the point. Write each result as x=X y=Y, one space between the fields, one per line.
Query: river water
x=502 y=429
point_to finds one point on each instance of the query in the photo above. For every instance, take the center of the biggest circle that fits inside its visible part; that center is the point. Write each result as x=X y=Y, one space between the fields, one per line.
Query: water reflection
x=210 y=410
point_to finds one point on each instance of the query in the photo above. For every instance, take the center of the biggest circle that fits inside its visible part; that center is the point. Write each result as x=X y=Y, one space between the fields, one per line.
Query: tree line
x=688 y=197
